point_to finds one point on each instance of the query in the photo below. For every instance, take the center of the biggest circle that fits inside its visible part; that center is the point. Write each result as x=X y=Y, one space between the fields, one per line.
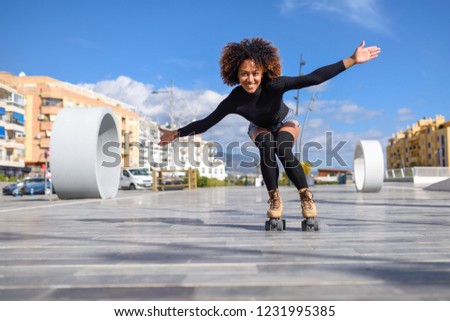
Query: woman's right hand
x=167 y=136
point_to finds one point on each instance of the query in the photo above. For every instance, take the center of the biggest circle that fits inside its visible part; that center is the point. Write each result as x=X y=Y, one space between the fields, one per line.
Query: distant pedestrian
x=254 y=65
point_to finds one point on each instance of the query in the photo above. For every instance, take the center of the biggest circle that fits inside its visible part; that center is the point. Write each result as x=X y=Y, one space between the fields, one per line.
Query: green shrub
x=4 y=178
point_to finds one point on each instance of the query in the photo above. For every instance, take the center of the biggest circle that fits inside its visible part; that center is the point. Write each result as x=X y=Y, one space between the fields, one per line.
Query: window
x=51 y=102
x=18 y=99
x=18 y=118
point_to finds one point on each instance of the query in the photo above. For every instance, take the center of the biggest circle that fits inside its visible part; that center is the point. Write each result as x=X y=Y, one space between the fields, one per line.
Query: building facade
x=184 y=153
x=425 y=143
x=12 y=132
x=194 y=152
x=46 y=96
x=150 y=153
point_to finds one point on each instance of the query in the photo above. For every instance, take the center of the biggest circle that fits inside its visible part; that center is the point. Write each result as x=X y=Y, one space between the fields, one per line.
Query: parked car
x=14 y=189
x=135 y=178
x=35 y=186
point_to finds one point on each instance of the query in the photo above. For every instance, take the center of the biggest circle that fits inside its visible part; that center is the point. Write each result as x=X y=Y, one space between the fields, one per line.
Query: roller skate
x=275 y=223
x=309 y=211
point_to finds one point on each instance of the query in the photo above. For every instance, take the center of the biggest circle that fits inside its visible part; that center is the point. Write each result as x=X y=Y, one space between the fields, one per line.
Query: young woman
x=254 y=65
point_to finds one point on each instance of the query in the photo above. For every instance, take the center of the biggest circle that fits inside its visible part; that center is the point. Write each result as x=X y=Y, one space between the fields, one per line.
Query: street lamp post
x=313 y=98
x=170 y=152
x=171 y=101
x=297 y=97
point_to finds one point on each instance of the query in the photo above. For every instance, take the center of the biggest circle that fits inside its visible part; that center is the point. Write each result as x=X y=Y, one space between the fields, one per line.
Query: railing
x=417 y=171
x=418 y=175
x=161 y=183
x=431 y=171
x=399 y=173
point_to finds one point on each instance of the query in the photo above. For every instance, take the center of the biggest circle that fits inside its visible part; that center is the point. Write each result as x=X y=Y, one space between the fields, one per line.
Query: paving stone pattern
x=210 y=244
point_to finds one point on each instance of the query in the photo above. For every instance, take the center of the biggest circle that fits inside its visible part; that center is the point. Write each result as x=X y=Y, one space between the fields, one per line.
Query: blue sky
x=127 y=49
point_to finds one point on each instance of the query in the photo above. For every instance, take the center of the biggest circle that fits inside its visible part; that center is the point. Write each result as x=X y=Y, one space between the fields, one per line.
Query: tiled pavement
x=210 y=244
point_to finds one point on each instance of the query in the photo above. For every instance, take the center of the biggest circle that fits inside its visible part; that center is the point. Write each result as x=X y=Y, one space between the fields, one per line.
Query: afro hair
x=262 y=52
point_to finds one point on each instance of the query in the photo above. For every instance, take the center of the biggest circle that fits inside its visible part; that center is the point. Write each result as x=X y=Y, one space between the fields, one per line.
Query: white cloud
x=405 y=114
x=365 y=13
x=124 y=89
x=350 y=113
x=187 y=105
x=350 y=108
x=316 y=123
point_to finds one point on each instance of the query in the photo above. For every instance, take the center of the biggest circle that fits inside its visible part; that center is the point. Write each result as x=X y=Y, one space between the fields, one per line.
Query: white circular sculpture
x=368 y=166
x=80 y=168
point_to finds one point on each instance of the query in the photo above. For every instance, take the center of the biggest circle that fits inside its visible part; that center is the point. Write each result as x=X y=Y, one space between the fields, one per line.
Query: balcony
x=44 y=143
x=50 y=110
x=10 y=108
x=12 y=162
x=13 y=144
x=46 y=125
x=14 y=127
x=53 y=92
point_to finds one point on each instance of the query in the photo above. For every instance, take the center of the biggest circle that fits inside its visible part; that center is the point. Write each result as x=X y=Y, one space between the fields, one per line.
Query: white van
x=135 y=178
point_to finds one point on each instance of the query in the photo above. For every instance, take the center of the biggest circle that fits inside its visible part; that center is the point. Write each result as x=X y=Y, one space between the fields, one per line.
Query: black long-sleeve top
x=265 y=107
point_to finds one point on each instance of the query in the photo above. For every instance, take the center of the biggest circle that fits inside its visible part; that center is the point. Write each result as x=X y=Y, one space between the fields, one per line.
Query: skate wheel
x=280 y=225
x=304 y=225
x=275 y=224
x=316 y=225
x=310 y=224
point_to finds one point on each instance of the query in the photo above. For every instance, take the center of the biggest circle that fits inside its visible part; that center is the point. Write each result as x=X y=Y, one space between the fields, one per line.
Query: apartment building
x=425 y=143
x=46 y=96
x=184 y=153
x=194 y=152
x=12 y=132
x=150 y=153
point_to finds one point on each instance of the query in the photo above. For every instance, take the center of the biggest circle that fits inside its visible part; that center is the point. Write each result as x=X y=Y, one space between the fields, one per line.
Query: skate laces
x=274 y=200
x=306 y=198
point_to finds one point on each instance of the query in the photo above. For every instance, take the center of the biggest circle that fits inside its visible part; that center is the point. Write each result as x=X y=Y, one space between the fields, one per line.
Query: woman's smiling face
x=250 y=76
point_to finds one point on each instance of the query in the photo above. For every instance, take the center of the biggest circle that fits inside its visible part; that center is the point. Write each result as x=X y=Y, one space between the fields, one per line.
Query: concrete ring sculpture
x=78 y=158
x=368 y=166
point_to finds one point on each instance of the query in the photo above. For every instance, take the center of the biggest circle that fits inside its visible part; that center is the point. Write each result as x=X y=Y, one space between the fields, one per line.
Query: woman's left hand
x=362 y=54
